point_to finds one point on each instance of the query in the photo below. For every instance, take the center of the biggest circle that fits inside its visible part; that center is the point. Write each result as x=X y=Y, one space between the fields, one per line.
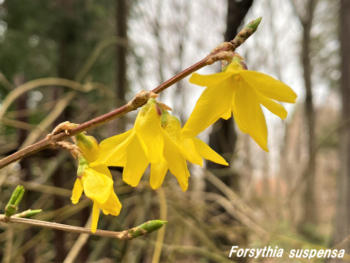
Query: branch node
x=74 y=149
x=222 y=46
x=141 y=99
x=222 y=55
x=65 y=127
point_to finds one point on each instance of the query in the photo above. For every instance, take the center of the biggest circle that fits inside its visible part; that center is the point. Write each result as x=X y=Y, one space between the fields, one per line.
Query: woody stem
x=75 y=229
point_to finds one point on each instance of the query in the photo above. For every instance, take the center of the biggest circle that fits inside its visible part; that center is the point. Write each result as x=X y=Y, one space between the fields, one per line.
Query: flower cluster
x=157 y=138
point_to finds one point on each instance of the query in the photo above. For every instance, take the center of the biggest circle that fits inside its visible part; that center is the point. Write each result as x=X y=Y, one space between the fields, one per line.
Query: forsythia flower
x=241 y=92
x=95 y=181
x=155 y=139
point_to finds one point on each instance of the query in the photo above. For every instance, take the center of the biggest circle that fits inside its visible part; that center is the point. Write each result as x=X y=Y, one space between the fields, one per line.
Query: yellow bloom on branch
x=155 y=139
x=241 y=92
x=96 y=181
x=178 y=149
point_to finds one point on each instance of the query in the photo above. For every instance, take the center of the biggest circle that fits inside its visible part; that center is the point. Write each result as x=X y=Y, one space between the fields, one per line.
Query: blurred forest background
x=75 y=60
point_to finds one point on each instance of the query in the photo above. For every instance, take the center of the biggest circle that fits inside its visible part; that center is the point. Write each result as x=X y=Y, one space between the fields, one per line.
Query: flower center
x=237 y=77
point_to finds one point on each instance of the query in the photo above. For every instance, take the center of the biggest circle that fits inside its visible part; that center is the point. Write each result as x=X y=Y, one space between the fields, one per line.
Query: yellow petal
x=172 y=128
x=148 y=129
x=114 y=141
x=214 y=103
x=191 y=153
x=248 y=111
x=97 y=186
x=158 y=172
x=176 y=162
x=112 y=206
x=112 y=150
x=101 y=168
x=207 y=152
x=268 y=86
x=136 y=163
x=227 y=114
x=273 y=106
x=77 y=191
x=209 y=80
x=239 y=123
x=95 y=216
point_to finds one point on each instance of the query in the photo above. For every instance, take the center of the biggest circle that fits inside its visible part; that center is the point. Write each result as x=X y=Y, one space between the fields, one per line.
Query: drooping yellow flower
x=241 y=92
x=95 y=181
x=155 y=139
x=178 y=149
x=136 y=148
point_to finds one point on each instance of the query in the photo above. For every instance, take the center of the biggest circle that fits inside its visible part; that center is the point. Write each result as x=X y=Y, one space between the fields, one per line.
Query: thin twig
x=49 y=119
x=32 y=186
x=18 y=124
x=73 y=229
x=7 y=84
x=38 y=83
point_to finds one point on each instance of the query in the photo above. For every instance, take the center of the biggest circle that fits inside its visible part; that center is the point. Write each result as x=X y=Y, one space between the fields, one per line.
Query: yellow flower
x=241 y=92
x=95 y=181
x=150 y=143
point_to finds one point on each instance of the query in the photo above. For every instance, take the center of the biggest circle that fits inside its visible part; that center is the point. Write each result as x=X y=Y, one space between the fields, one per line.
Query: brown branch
x=73 y=229
x=220 y=52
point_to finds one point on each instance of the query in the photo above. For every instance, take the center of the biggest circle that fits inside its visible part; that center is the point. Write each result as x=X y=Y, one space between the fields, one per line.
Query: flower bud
x=88 y=145
x=146 y=228
x=254 y=24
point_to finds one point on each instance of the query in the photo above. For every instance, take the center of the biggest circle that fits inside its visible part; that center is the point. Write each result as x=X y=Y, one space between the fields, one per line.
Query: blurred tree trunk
x=21 y=102
x=223 y=137
x=121 y=66
x=342 y=219
x=309 y=211
x=65 y=69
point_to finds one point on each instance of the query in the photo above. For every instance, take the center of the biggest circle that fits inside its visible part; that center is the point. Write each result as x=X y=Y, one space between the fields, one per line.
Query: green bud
x=16 y=194
x=254 y=24
x=153 y=225
x=12 y=205
x=20 y=196
x=146 y=228
x=28 y=214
